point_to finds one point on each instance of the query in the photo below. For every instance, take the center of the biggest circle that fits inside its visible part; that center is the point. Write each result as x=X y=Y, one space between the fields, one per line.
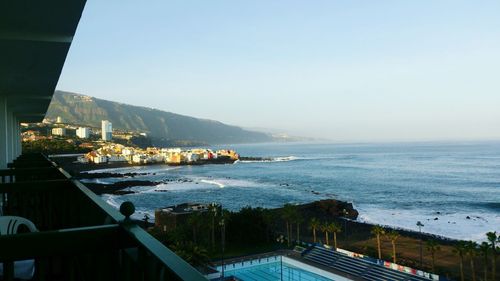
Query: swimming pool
x=277 y=268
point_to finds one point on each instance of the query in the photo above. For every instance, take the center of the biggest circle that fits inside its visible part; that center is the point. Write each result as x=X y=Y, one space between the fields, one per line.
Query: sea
x=453 y=188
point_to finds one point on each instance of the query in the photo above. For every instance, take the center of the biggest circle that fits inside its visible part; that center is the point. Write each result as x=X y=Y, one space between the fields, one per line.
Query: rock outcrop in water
x=328 y=209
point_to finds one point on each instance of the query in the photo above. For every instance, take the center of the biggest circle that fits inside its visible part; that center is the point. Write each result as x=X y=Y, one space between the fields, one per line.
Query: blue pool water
x=275 y=271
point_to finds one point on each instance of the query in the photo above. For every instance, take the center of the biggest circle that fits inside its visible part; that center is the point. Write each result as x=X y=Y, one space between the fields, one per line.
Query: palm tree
x=195 y=220
x=377 y=230
x=461 y=249
x=433 y=247
x=484 y=248
x=325 y=229
x=213 y=209
x=287 y=215
x=493 y=238
x=268 y=219
x=471 y=248
x=195 y=255
x=393 y=236
x=313 y=225
x=334 y=228
x=298 y=221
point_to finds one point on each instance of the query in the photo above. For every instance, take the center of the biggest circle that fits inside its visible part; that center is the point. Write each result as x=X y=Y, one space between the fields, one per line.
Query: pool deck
x=290 y=254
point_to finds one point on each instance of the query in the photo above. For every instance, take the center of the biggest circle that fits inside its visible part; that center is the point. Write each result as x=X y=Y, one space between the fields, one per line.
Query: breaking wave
x=268 y=160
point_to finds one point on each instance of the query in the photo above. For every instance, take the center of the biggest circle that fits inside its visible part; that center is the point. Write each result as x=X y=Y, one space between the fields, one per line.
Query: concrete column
x=10 y=133
x=19 y=140
x=3 y=133
x=17 y=136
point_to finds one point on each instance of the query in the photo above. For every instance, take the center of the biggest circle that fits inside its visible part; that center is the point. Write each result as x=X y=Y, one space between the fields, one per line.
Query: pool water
x=274 y=271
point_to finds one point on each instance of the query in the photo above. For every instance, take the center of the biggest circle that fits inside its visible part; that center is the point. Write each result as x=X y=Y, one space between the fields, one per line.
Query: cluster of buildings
x=83 y=132
x=33 y=135
x=174 y=156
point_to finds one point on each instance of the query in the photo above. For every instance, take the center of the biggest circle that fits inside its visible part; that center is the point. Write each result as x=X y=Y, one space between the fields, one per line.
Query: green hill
x=161 y=126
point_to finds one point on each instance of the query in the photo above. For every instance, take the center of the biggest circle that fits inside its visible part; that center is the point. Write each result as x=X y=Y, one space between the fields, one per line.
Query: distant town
x=115 y=153
x=104 y=145
x=80 y=138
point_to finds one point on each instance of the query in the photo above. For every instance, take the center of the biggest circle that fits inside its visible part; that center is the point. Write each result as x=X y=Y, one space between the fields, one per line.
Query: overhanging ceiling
x=35 y=37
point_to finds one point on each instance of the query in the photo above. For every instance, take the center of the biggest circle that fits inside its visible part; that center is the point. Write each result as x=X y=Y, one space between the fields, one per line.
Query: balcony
x=80 y=237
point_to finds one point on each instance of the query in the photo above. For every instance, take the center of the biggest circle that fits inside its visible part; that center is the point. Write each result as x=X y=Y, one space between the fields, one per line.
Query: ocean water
x=452 y=188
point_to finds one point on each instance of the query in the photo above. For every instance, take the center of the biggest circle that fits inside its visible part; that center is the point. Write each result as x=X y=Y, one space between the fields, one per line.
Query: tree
x=432 y=246
x=195 y=221
x=325 y=229
x=213 y=210
x=393 y=236
x=377 y=230
x=493 y=238
x=288 y=213
x=313 y=225
x=195 y=255
x=484 y=248
x=268 y=219
x=471 y=248
x=334 y=228
x=461 y=249
x=298 y=220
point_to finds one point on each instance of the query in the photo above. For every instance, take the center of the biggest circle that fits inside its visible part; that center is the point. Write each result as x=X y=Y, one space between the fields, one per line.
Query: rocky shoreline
x=321 y=209
x=118 y=188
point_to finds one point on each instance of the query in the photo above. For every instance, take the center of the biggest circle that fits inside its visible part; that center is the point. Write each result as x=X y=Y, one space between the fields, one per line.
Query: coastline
x=81 y=172
x=355 y=236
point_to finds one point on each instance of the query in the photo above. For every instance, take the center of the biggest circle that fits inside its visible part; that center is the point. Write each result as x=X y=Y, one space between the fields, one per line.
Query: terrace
x=79 y=236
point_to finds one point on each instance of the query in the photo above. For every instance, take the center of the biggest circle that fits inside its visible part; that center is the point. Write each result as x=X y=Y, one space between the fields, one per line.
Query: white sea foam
x=196 y=183
x=112 y=200
x=116 y=170
x=448 y=224
x=275 y=159
x=285 y=159
x=135 y=169
x=221 y=185
x=99 y=181
x=115 y=201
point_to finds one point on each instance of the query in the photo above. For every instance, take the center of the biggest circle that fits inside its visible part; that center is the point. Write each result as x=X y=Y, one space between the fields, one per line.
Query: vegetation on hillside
x=163 y=127
x=53 y=146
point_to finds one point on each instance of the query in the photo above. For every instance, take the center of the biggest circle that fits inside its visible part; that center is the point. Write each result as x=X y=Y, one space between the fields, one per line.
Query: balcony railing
x=81 y=237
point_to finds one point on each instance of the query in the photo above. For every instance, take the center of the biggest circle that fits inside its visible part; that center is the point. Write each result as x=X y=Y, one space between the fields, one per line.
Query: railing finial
x=127 y=208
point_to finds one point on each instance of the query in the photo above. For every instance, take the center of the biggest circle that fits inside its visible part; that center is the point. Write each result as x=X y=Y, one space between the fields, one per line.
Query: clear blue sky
x=344 y=70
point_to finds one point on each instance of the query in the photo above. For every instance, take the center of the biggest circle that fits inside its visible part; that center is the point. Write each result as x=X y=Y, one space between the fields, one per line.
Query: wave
x=135 y=169
x=196 y=183
x=214 y=183
x=270 y=160
x=98 y=181
x=455 y=225
x=112 y=200
x=115 y=201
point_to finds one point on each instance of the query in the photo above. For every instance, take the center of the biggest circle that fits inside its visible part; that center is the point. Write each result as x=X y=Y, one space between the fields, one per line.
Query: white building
x=58 y=131
x=107 y=130
x=116 y=158
x=83 y=133
x=58 y=119
x=82 y=159
x=139 y=158
x=100 y=159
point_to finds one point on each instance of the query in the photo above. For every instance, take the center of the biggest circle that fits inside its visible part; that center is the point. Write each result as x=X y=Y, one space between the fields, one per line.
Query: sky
x=339 y=70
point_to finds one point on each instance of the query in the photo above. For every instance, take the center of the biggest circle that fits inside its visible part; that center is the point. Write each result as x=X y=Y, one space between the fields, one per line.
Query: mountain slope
x=159 y=125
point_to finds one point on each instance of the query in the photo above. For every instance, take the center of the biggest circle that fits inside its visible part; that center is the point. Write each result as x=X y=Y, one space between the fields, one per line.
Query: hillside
x=161 y=126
